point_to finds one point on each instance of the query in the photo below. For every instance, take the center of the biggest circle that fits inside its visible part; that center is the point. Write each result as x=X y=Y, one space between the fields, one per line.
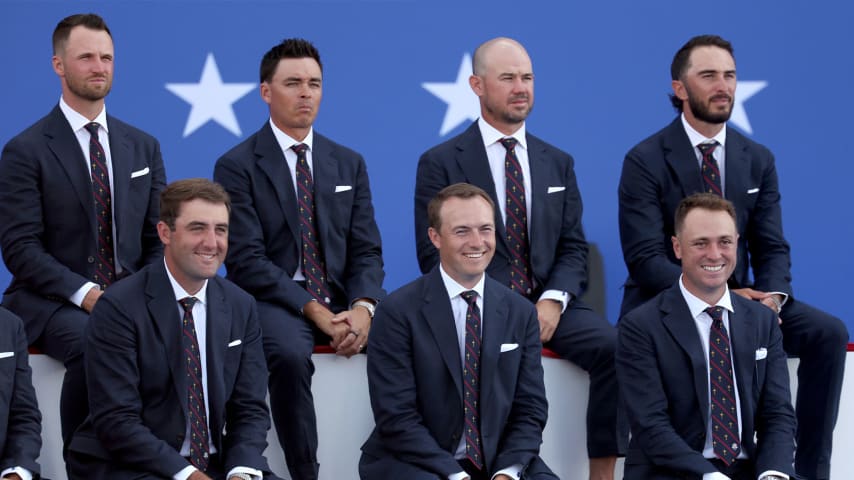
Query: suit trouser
x=820 y=341
x=388 y=467
x=288 y=344
x=588 y=340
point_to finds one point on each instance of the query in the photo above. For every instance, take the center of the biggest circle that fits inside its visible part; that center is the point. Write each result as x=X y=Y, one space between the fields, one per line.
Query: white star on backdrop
x=462 y=103
x=211 y=99
x=743 y=91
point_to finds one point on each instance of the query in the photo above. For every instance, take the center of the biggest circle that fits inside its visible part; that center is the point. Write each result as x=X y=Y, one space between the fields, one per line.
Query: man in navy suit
x=551 y=263
x=456 y=393
x=71 y=222
x=20 y=419
x=684 y=369
x=174 y=360
x=304 y=242
x=670 y=165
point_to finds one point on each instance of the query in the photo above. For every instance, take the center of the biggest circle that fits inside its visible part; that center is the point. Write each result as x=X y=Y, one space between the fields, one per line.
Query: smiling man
x=705 y=371
x=454 y=370
x=697 y=152
x=175 y=361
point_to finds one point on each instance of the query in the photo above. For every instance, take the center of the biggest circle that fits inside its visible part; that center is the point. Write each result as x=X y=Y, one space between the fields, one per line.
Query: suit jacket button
x=91 y=259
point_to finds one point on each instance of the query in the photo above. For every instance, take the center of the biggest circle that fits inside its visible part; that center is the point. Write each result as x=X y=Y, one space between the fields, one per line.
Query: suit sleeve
x=115 y=402
x=645 y=245
x=769 y=251
x=152 y=247
x=429 y=179
x=647 y=405
x=22 y=229
x=247 y=261
x=247 y=416
x=523 y=432
x=23 y=433
x=391 y=382
x=363 y=277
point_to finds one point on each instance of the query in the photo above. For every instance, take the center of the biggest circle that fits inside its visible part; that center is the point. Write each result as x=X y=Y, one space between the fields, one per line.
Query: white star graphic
x=743 y=91
x=462 y=103
x=211 y=99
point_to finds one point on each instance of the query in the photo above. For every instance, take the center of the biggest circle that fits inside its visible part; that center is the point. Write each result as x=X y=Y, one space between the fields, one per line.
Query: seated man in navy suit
x=698 y=152
x=174 y=362
x=454 y=369
x=20 y=419
x=704 y=371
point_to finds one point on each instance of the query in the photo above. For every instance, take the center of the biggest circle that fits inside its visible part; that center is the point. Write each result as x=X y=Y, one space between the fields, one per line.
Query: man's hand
x=501 y=476
x=358 y=323
x=12 y=476
x=548 y=313
x=91 y=297
x=770 y=300
x=198 y=475
x=322 y=317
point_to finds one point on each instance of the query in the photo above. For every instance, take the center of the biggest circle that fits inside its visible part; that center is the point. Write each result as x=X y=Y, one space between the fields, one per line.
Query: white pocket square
x=506 y=347
x=342 y=188
x=139 y=173
x=761 y=353
x=555 y=189
x=234 y=343
x=752 y=191
x=7 y=354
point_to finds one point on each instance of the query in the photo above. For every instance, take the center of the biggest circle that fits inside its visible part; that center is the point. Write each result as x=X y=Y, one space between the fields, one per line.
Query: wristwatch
x=370 y=307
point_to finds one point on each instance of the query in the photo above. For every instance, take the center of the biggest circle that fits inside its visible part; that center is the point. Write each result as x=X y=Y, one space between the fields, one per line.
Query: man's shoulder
x=325 y=143
x=243 y=150
x=765 y=317
x=120 y=127
x=36 y=131
x=455 y=143
x=651 y=311
x=652 y=146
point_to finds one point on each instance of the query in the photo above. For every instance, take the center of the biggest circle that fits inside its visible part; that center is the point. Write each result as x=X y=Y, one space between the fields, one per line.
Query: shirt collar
x=78 y=121
x=285 y=140
x=455 y=289
x=697 y=138
x=697 y=306
x=490 y=135
x=201 y=296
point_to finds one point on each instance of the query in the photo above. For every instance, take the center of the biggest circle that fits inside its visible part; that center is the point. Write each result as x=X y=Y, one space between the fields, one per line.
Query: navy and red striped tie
x=516 y=221
x=199 y=443
x=709 y=169
x=105 y=269
x=725 y=439
x=471 y=380
x=313 y=266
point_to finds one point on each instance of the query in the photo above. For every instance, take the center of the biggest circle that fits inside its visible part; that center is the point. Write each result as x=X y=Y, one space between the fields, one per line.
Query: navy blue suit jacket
x=661 y=368
x=136 y=374
x=416 y=385
x=20 y=419
x=48 y=229
x=662 y=170
x=557 y=244
x=264 y=236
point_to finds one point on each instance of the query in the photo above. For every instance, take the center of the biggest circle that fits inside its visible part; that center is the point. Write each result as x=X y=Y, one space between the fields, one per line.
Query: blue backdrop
x=187 y=72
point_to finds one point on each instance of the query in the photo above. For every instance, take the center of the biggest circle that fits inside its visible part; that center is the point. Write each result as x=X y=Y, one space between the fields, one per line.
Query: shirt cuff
x=784 y=295
x=513 y=471
x=563 y=297
x=255 y=474
x=185 y=473
x=715 y=476
x=80 y=294
x=458 y=476
x=21 y=471
x=773 y=472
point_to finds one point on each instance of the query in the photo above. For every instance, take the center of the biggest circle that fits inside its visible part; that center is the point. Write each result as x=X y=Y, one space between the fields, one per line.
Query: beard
x=84 y=90
x=704 y=113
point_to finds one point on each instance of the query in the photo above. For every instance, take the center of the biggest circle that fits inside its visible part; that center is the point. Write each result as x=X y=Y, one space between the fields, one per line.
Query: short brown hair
x=706 y=201
x=181 y=191
x=63 y=28
x=457 y=190
x=681 y=61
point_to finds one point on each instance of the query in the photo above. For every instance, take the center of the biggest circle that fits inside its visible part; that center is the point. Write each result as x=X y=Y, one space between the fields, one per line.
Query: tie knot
x=470 y=296
x=187 y=303
x=708 y=148
x=300 y=148
x=92 y=128
x=509 y=143
x=717 y=313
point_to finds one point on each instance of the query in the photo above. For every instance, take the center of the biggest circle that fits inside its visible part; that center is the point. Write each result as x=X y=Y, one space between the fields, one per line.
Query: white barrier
x=344 y=418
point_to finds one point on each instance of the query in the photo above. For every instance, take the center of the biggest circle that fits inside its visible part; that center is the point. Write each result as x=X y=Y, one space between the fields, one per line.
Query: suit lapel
x=743 y=339
x=540 y=181
x=678 y=321
x=271 y=161
x=218 y=332
x=439 y=317
x=680 y=157
x=63 y=143
x=494 y=326
x=122 y=162
x=163 y=310
x=737 y=169
x=325 y=176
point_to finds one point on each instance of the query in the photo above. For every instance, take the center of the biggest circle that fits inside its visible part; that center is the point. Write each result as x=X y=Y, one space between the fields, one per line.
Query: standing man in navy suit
x=20 y=419
x=705 y=370
x=454 y=370
x=670 y=165
x=174 y=360
x=541 y=251
x=304 y=242
x=78 y=205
